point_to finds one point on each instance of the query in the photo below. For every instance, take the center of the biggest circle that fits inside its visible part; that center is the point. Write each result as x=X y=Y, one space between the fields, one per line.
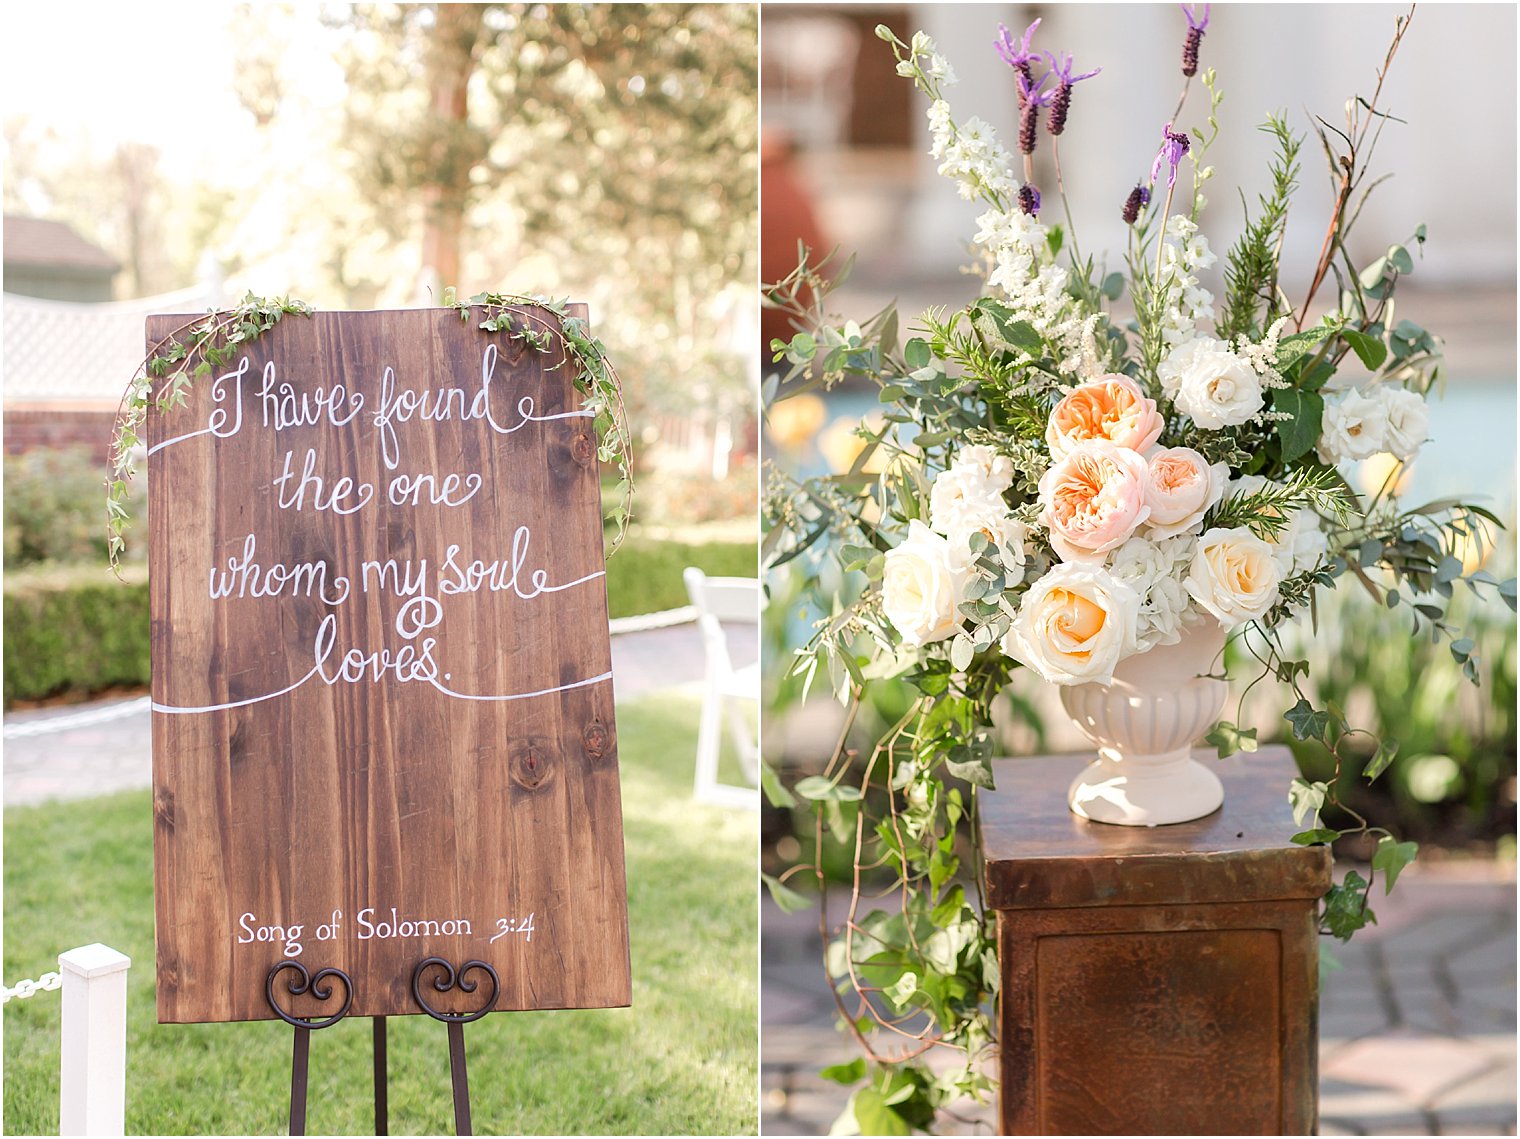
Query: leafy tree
x=615 y=143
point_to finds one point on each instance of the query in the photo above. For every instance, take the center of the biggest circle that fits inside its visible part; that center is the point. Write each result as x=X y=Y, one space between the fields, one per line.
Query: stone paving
x=1417 y=1025
x=75 y=751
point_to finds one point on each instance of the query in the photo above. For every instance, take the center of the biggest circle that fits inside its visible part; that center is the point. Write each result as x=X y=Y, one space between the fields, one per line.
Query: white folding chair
x=726 y=689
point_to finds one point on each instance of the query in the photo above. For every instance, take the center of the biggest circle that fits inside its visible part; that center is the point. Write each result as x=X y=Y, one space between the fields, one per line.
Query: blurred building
x=70 y=350
x=829 y=84
x=49 y=259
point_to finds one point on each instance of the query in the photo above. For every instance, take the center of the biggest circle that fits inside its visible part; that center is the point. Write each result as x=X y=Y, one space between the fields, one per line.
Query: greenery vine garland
x=191 y=351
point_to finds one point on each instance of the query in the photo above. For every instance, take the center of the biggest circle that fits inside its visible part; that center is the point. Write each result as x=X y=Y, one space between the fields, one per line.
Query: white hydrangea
x=1155 y=570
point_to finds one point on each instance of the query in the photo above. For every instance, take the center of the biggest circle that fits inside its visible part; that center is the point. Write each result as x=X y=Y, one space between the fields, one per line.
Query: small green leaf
x=1391 y=857
x=873 y=1116
x=850 y=1073
x=1316 y=836
x=1308 y=722
x=819 y=789
x=1307 y=800
x=775 y=791
x=1300 y=433
x=1386 y=751
x=1370 y=350
x=1229 y=739
x=1346 y=909
x=787 y=899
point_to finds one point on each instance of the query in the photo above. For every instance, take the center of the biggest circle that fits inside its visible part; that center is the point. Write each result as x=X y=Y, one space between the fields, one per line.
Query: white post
x=94 y=1054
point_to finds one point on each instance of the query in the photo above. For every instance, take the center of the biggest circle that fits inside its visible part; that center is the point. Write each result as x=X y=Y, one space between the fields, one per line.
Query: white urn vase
x=1145 y=725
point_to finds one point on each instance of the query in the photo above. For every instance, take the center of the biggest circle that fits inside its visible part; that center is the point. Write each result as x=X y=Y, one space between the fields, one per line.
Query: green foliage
x=1250 y=274
x=520 y=318
x=163 y=380
x=74 y=630
x=615 y=145
x=681 y=1061
x=52 y=507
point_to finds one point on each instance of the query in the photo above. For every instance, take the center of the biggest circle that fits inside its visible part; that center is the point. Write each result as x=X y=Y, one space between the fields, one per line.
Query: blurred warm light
x=1371 y=475
x=1475 y=547
x=793 y=422
x=841 y=446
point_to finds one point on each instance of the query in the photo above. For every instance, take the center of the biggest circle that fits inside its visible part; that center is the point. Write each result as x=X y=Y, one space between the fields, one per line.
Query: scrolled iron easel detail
x=449 y=979
x=307 y=982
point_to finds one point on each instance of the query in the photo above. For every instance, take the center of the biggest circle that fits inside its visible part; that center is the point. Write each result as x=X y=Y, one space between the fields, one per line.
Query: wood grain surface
x=383 y=716
x=1155 y=980
x=1040 y=854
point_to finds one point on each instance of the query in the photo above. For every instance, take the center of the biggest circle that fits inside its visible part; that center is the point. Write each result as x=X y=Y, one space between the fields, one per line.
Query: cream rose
x=1180 y=488
x=1110 y=407
x=1301 y=543
x=1406 y=421
x=1093 y=499
x=1234 y=575
x=1209 y=383
x=921 y=587
x=1353 y=427
x=1074 y=625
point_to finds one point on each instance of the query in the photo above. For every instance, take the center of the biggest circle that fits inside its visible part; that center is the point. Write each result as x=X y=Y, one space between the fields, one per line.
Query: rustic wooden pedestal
x=1156 y=980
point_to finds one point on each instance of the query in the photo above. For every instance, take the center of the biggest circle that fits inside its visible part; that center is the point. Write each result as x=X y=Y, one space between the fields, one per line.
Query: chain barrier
x=47 y=983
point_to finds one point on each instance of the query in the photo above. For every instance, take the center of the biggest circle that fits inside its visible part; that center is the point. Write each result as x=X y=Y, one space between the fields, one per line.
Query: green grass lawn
x=682 y=1060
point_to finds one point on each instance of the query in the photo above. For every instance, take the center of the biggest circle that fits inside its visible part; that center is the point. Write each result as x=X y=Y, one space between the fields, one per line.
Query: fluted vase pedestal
x=1145 y=725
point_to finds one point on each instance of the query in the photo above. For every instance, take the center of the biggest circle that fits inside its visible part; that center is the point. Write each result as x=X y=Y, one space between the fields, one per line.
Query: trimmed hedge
x=644 y=576
x=77 y=630
x=74 y=629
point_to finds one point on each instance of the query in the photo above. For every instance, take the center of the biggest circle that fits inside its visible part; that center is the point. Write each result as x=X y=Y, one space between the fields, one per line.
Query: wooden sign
x=382 y=682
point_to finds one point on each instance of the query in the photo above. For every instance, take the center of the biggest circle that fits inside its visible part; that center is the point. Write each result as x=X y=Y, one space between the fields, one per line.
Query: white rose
x=974 y=484
x=1353 y=427
x=1074 y=625
x=1000 y=528
x=1208 y=382
x=921 y=587
x=1406 y=421
x=1180 y=488
x=1234 y=575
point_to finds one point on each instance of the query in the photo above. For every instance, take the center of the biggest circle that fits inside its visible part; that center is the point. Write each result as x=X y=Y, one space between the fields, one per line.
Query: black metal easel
x=447 y=978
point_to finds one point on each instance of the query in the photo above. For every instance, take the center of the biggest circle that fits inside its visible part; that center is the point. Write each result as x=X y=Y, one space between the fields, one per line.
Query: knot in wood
x=583 y=448
x=530 y=767
x=596 y=739
x=163 y=808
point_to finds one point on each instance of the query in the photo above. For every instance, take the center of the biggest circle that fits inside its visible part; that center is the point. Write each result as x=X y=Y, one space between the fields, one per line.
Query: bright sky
x=155 y=72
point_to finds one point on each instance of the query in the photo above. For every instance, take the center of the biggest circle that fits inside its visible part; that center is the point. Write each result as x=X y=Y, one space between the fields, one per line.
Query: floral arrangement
x=1060 y=484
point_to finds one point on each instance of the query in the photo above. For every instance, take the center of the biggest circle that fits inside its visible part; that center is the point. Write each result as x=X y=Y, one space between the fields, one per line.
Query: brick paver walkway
x=1417 y=1026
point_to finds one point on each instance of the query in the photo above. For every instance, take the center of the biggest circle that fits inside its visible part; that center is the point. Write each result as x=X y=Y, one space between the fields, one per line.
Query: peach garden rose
x=1181 y=486
x=1111 y=407
x=1093 y=499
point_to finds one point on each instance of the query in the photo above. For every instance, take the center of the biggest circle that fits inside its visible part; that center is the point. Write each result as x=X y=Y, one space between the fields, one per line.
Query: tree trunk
x=451 y=60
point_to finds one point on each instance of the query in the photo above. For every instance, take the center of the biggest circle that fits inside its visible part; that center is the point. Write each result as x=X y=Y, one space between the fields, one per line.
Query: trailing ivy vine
x=204 y=343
